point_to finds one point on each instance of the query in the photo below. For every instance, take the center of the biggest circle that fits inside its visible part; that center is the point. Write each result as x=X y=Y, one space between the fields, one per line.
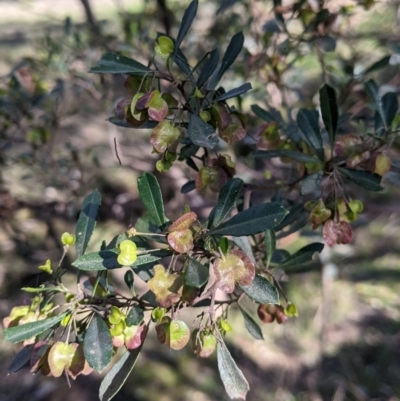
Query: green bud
x=205 y=116
x=157 y=314
x=46 y=267
x=291 y=310
x=68 y=239
x=356 y=206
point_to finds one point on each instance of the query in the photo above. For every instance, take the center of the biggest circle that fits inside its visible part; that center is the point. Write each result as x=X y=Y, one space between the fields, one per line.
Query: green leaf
x=116 y=377
x=312 y=183
x=303 y=255
x=196 y=274
x=150 y=193
x=87 y=221
x=135 y=316
x=293 y=215
x=263 y=114
x=252 y=327
x=209 y=67
x=112 y=63
x=252 y=221
x=107 y=259
x=329 y=111
x=40 y=289
x=129 y=280
x=382 y=63
x=187 y=151
x=373 y=93
x=201 y=133
x=262 y=291
x=390 y=106
x=28 y=330
x=269 y=244
x=97 y=344
x=364 y=179
x=20 y=360
x=233 y=92
x=308 y=122
x=293 y=154
x=226 y=199
x=187 y=20
x=189 y=186
x=232 y=51
x=232 y=377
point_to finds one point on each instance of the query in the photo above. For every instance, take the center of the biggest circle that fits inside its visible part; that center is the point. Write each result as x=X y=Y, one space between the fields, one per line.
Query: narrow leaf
x=107 y=259
x=373 y=93
x=150 y=193
x=87 y=221
x=135 y=316
x=20 y=360
x=186 y=23
x=293 y=215
x=263 y=114
x=28 y=330
x=252 y=327
x=97 y=344
x=303 y=255
x=293 y=154
x=382 y=63
x=201 y=133
x=226 y=199
x=312 y=183
x=232 y=377
x=113 y=63
x=196 y=274
x=364 y=179
x=252 y=221
x=307 y=120
x=269 y=244
x=209 y=67
x=233 y=92
x=189 y=186
x=390 y=106
x=232 y=51
x=116 y=377
x=329 y=111
x=262 y=291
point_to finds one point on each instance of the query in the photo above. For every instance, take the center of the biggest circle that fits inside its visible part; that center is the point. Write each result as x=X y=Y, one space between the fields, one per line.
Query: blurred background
x=56 y=146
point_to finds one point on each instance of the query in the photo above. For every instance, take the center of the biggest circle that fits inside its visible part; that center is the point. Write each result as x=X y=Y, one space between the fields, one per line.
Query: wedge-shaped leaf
x=135 y=316
x=312 y=183
x=97 y=344
x=292 y=154
x=226 y=199
x=112 y=63
x=186 y=23
x=20 y=360
x=232 y=51
x=233 y=92
x=329 y=111
x=252 y=327
x=87 y=221
x=308 y=122
x=116 y=377
x=150 y=193
x=196 y=274
x=121 y=123
x=373 y=93
x=208 y=68
x=390 y=106
x=262 y=291
x=201 y=133
x=232 y=377
x=293 y=215
x=252 y=221
x=28 y=330
x=364 y=179
x=382 y=63
x=107 y=259
x=303 y=255
x=263 y=114
x=269 y=244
